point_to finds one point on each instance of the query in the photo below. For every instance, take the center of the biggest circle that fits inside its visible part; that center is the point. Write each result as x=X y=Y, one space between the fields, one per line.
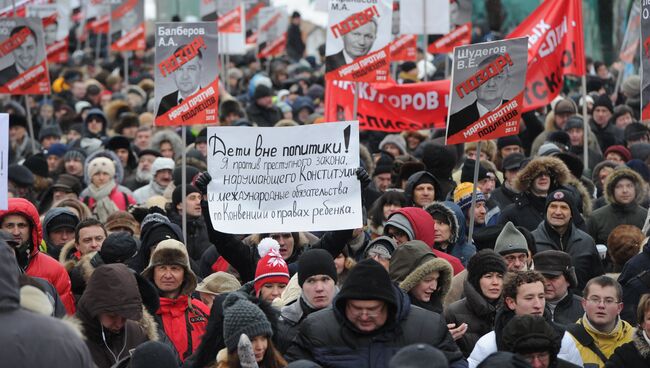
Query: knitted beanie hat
x=316 y=262
x=463 y=195
x=101 y=164
x=511 y=240
x=240 y=316
x=270 y=268
x=483 y=262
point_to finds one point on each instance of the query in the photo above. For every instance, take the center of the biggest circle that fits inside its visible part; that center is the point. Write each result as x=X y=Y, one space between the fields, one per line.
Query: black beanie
x=118 y=247
x=530 y=334
x=511 y=140
x=562 y=195
x=384 y=165
x=20 y=175
x=177 y=194
x=153 y=354
x=316 y=262
x=262 y=91
x=37 y=164
x=483 y=262
x=368 y=280
x=604 y=101
x=61 y=221
x=467 y=174
x=160 y=233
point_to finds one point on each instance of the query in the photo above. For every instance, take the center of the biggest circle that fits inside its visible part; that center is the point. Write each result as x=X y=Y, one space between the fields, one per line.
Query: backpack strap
x=578 y=331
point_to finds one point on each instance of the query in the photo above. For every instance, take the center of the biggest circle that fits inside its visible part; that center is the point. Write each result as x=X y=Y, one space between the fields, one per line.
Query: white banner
x=424 y=17
x=284 y=179
x=4 y=159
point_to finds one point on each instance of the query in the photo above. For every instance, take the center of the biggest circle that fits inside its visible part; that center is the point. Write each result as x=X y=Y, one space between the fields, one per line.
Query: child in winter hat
x=272 y=272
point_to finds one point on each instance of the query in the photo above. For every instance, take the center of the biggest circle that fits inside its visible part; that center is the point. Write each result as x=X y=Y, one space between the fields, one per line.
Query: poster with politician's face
x=231 y=20
x=56 y=26
x=252 y=9
x=272 y=35
x=127 y=26
x=358 y=37
x=488 y=81
x=645 y=62
x=23 y=62
x=186 y=75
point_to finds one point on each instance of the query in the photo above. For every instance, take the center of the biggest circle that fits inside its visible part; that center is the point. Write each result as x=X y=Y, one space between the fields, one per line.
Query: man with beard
x=161 y=169
x=143 y=174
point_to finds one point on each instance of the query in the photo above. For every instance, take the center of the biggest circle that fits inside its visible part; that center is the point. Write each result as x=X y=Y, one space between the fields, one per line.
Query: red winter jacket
x=179 y=320
x=40 y=264
x=424 y=230
x=121 y=200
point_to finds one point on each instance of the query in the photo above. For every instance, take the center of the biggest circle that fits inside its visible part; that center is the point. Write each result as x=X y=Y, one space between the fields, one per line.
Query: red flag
x=388 y=106
x=460 y=36
x=555 y=49
x=404 y=48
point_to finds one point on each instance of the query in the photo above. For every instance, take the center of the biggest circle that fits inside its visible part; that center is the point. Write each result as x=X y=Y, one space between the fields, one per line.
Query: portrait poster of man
x=645 y=62
x=98 y=15
x=272 y=37
x=127 y=26
x=358 y=41
x=186 y=75
x=412 y=20
x=231 y=20
x=23 y=61
x=252 y=9
x=487 y=90
x=56 y=27
x=460 y=18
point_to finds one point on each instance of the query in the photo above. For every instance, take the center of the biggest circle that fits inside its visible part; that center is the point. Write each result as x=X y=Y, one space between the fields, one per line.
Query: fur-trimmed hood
x=559 y=172
x=641 y=344
x=413 y=261
x=65 y=257
x=585 y=198
x=170 y=136
x=147 y=323
x=624 y=173
x=119 y=170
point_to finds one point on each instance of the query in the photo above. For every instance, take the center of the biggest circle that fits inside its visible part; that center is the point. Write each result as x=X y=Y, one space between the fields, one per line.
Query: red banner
x=460 y=36
x=388 y=106
x=230 y=22
x=274 y=48
x=134 y=40
x=34 y=81
x=200 y=108
x=404 y=48
x=555 y=49
x=100 y=24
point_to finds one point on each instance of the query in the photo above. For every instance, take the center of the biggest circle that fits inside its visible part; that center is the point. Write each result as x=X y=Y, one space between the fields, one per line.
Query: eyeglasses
x=376 y=254
x=607 y=301
x=370 y=313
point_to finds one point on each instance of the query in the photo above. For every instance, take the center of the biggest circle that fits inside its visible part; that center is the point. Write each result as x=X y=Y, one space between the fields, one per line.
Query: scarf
x=157 y=188
x=104 y=205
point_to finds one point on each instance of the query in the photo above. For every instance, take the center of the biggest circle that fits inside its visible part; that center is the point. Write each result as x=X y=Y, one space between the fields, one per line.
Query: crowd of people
x=96 y=271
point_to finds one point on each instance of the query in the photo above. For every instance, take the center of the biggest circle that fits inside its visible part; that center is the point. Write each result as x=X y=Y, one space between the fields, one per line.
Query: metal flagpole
x=424 y=39
x=97 y=48
x=30 y=123
x=184 y=182
x=585 y=122
x=126 y=68
x=477 y=162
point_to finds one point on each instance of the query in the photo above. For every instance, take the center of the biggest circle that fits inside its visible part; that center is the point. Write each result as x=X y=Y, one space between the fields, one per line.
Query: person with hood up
x=58 y=229
x=558 y=232
x=95 y=125
x=535 y=340
x=540 y=177
x=483 y=288
x=413 y=223
x=450 y=230
x=104 y=197
x=317 y=279
x=21 y=220
x=422 y=188
x=108 y=311
x=423 y=276
x=624 y=191
x=370 y=320
x=161 y=169
x=184 y=319
x=29 y=339
x=167 y=143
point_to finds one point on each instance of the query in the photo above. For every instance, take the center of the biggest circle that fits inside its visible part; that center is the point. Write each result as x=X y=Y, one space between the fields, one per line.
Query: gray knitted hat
x=510 y=240
x=240 y=316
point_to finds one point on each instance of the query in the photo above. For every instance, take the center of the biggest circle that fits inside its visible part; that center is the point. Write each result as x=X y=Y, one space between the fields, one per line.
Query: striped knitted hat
x=463 y=195
x=271 y=268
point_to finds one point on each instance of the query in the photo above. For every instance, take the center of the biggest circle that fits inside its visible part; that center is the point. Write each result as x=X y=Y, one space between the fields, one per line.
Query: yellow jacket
x=606 y=342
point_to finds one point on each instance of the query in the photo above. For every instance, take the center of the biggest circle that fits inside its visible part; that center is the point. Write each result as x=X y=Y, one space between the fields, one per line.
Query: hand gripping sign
x=23 y=62
x=127 y=26
x=358 y=41
x=56 y=25
x=186 y=75
x=487 y=91
x=284 y=179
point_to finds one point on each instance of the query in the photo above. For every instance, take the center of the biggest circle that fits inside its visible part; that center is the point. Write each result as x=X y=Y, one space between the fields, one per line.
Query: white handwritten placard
x=284 y=179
